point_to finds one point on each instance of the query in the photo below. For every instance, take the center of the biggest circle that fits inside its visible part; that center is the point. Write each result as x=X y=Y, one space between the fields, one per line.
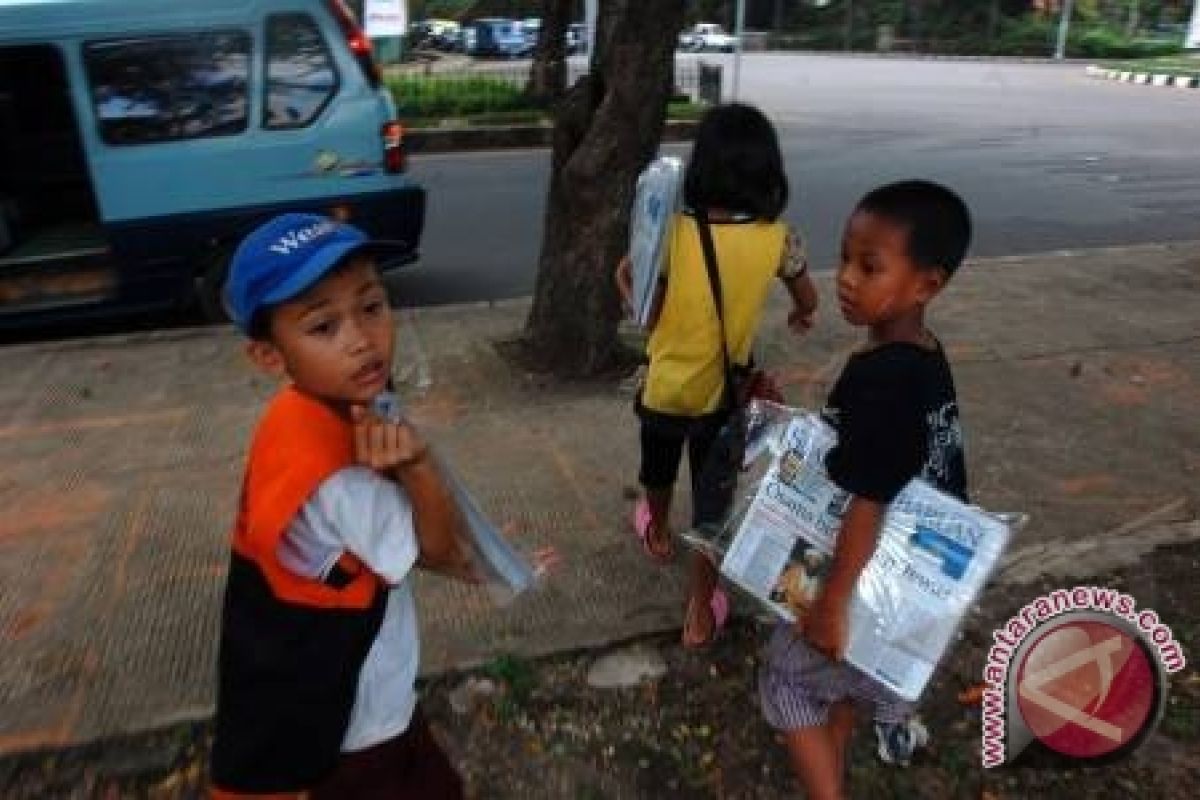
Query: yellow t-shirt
x=686 y=374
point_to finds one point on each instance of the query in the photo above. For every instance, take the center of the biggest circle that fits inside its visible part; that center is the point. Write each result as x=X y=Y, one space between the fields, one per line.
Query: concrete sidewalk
x=1079 y=378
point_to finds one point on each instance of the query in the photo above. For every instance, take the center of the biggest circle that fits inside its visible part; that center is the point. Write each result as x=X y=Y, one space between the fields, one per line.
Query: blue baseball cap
x=285 y=256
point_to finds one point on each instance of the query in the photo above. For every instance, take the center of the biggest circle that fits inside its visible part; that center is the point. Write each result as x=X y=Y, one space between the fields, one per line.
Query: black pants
x=411 y=765
x=663 y=437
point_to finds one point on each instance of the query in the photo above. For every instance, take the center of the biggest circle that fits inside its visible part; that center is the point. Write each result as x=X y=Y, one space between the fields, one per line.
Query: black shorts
x=663 y=437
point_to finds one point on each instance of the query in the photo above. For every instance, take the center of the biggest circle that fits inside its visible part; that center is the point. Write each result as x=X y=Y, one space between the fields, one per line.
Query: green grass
x=1167 y=65
x=532 y=116
x=431 y=101
x=685 y=110
x=483 y=119
x=429 y=96
x=1181 y=721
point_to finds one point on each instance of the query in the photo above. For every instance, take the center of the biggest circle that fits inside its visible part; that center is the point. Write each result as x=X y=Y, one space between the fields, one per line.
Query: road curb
x=906 y=56
x=519 y=305
x=1160 y=79
x=508 y=137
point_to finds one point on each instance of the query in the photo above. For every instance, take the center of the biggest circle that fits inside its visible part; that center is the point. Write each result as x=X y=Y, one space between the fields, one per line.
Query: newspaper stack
x=933 y=558
x=654 y=208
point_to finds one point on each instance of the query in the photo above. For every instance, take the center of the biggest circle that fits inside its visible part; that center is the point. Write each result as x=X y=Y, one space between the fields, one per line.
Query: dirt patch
x=697 y=732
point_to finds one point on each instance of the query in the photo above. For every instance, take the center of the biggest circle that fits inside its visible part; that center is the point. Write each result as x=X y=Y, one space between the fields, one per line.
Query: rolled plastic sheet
x=656 y=201
x=503 y=571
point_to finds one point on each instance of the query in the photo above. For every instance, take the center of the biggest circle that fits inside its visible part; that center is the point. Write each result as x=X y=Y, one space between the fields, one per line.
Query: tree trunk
x=1135 y=18
x=916 y=10
x=993 y=23
x=548 y=74
x=848 y=43
x=607 y=129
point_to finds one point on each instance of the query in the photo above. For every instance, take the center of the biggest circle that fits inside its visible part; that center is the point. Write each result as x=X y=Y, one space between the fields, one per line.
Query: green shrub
x=1028 y=36
x=1105 y=42
x=455 y=96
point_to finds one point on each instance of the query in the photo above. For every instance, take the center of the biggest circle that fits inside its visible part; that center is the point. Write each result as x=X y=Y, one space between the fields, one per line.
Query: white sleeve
x=354 y=510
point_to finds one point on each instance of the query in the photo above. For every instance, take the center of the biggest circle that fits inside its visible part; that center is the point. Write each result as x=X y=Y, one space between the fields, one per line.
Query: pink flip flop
x=641 y=526
x=719 y=603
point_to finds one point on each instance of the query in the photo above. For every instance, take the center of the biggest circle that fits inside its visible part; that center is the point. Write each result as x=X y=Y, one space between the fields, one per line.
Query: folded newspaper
x=654 y=206
x=504 y=571
x=933 y=558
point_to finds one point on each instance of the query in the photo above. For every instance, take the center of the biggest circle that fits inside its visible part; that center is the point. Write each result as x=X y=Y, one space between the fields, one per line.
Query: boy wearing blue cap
x=319 y=643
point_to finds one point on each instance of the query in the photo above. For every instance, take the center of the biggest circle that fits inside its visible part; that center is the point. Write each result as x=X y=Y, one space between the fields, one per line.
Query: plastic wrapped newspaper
x=654 y=206
x=933 y=557
x=503 y=570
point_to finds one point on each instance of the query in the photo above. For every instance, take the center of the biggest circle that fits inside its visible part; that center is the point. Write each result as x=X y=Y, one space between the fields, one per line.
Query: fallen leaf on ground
x=972 y=696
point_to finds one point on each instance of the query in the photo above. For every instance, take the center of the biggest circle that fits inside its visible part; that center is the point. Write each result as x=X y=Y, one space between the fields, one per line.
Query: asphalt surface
x=1048 y=159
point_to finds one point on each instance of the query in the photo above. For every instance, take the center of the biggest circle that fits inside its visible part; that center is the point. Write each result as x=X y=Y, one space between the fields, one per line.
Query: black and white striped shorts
x=797 y=686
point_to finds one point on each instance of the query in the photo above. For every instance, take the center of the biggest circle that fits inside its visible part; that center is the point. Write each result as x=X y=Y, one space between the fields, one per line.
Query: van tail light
x=359 y=44
x=393 y=147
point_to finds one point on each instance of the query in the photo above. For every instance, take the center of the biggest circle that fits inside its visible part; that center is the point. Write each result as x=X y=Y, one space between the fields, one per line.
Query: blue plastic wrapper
x=655 y=204
x=504 y=572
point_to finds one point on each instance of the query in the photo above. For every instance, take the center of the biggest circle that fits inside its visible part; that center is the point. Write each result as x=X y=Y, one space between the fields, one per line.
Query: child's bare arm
x=395 y=450
x=826 y=626
x=624 y=279
x=804 y=301
x=438 y=523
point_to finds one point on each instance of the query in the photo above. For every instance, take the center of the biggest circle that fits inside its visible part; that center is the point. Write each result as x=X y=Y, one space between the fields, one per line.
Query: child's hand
x=546 y=562
x=624 y=279
x=383 y=445
x=801 y=321
x=825 y=626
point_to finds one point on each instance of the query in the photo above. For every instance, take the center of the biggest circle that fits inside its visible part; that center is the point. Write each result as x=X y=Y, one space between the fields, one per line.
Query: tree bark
x=548 y=74
x=608 y=128
x=1135 y=18
x=993 y=24
x=848 y=43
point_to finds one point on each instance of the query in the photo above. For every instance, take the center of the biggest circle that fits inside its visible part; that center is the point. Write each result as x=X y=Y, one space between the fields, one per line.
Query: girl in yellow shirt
x=735 y=180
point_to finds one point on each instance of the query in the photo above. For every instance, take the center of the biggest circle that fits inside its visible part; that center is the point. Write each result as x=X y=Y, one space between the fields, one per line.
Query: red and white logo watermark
x=1081 y=672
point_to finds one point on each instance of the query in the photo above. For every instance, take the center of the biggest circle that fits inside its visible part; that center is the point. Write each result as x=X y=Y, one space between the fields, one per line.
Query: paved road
x=1047 y=157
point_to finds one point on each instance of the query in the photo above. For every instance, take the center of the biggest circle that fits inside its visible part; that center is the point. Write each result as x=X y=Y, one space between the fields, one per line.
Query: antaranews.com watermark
x=1081 y=671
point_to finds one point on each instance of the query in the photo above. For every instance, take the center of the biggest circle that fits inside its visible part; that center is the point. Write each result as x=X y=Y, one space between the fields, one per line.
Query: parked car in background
x=503 y=38
x=707 y=37
x=532 y=28
x=577 y=38
x=444 y=34
x=141 y=140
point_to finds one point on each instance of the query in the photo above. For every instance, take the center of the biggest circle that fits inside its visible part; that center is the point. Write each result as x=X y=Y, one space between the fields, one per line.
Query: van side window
x=301 y=79
x=166 y=88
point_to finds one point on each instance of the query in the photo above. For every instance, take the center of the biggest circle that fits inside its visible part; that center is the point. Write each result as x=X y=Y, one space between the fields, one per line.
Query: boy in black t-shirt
x=896 y=416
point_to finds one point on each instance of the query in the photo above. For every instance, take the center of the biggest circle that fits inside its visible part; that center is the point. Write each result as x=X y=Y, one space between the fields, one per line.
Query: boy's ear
x=932 y=282
x=266 y=356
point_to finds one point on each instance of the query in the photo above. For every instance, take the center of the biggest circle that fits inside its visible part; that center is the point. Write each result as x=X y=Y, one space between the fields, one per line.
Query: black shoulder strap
x=714 y=282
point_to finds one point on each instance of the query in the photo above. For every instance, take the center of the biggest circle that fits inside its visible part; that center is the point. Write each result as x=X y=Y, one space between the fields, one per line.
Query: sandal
x=719 y=605
x=642 y=520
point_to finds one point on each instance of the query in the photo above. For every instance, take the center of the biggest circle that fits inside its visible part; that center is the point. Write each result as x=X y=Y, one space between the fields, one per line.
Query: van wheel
x=210 y=284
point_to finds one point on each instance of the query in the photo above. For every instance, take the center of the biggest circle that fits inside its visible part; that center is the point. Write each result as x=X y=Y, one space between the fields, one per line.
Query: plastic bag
x=655 y=203
x=504 y=572
x=934 y=555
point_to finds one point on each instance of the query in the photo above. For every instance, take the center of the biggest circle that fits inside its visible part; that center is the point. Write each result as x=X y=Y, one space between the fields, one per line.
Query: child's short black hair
x=938 y=221
x=259 y=327
x=736 y=165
